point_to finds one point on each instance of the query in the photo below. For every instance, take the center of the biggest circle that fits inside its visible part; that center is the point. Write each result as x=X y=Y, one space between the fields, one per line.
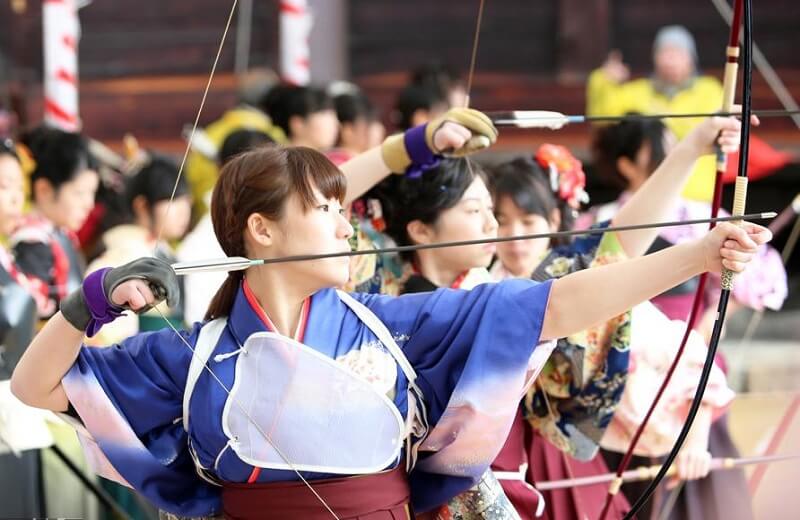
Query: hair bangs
x=310 y=170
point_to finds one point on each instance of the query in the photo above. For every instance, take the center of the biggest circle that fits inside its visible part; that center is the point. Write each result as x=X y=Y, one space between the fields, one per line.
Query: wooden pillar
x=20 y=44
x=583 y=38
x=328 y=41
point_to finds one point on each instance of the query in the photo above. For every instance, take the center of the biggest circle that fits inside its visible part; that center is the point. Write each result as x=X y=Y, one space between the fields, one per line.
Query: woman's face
x=322 y=129
x=673 y=65
x=172 y=220
x=377 y=132
x=12 y=194
x=320 y=229
x=472 y=218
x=637 y=171
x=70 y=205
x=520 y=257
x=355 y=135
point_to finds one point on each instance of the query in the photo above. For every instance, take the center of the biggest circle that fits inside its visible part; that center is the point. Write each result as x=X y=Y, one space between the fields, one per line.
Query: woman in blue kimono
x=299 y=401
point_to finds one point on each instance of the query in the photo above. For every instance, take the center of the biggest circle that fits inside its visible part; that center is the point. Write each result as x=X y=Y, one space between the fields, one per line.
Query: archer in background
x=674 y=86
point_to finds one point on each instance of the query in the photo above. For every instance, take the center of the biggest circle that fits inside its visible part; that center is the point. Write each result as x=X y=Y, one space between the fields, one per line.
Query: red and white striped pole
x=61 y=31
x=295 y=27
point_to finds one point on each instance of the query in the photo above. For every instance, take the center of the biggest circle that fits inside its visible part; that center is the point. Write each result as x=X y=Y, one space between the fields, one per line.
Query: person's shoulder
x=708 y=83
x=201 y=242
x=236 y=118
x=32 y=230
x=167 y=341
x=638 y=85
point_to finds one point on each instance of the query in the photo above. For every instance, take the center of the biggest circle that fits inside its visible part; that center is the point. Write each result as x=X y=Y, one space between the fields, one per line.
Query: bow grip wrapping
x=729 y=78
x=728 y=94
x=739 y=197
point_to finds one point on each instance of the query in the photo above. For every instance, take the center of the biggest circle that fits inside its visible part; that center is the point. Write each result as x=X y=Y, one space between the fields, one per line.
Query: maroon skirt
x=384 y=496
x=550 y=463
x=546 y=462
x=510 y=459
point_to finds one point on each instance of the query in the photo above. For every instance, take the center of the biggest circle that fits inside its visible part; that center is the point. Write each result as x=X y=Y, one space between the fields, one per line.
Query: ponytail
x=222 y=302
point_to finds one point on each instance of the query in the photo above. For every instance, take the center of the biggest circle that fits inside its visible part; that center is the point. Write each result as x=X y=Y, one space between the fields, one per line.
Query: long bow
x=732 y=52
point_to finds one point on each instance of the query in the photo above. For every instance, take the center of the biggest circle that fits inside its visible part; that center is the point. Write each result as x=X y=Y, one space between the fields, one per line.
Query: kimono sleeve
x=604 y=96
x=35 y=261
x=129 y=398
x=471 y=351
x=582 y=382
x=654 y=343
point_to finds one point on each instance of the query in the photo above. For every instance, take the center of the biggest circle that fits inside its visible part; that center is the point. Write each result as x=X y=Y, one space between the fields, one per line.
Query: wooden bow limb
x=775 y=442
x=762 y=65
x=786 y=216
x=741 y=7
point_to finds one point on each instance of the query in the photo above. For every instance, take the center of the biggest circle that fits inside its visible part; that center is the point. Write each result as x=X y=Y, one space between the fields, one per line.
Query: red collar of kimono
x=298 y=336
x=253 y=302
x=456 y=283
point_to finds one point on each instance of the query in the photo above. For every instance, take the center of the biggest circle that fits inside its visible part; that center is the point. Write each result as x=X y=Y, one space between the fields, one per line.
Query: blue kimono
x=469 y=349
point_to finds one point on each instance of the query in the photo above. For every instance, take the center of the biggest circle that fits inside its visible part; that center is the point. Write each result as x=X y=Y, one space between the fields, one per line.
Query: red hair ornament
x=567 y=178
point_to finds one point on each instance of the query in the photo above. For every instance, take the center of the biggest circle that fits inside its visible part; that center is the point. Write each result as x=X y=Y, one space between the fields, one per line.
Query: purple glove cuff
x=101 y=309
x=422 y=157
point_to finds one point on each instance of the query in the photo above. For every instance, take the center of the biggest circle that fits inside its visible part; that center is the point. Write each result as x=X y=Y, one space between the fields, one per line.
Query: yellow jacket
x=201 y=171
x=604 y=97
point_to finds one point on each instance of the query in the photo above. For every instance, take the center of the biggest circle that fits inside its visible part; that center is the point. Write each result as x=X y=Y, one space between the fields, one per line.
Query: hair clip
x=567 y=179
x=26 y=159
x=376 y=215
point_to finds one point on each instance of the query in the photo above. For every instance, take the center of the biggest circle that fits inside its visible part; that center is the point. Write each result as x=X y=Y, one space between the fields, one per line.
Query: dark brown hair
x=526 y=184
x=60 y=156
x=404 y=199
x=625 y=139
x=262 y=181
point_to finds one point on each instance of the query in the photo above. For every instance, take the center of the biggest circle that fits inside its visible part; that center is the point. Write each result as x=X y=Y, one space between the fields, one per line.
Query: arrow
x=238 y=263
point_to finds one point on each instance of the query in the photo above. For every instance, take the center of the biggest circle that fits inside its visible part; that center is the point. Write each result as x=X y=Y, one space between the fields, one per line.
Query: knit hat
x=675 y=36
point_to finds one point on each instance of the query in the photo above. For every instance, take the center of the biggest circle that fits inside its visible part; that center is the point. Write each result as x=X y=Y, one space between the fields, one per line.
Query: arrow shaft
x=232 y=264
x=648 y=472
x=558 y=234
x=515 y=118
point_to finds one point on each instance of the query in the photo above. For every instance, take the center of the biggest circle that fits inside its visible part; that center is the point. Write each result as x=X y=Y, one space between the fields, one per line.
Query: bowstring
x=475 y=39
x=470 y=75
x=196 y=121
x=252 y=421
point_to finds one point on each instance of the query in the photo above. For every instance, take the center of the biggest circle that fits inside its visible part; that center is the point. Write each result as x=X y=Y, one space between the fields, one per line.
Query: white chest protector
x=294 y=408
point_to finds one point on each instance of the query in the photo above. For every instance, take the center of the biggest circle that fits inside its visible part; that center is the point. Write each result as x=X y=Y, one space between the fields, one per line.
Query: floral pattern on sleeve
x=575 y=396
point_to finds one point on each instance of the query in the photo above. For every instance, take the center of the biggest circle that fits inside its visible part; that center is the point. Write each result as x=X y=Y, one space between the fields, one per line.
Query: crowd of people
x=488 y=369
